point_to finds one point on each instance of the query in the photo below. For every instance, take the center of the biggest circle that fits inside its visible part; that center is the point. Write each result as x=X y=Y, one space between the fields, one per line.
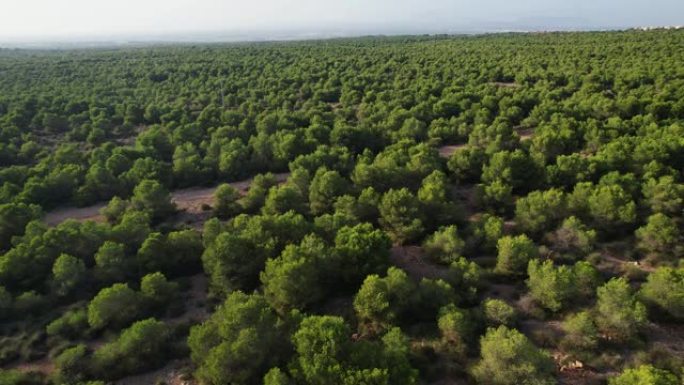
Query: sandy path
x=190 y=200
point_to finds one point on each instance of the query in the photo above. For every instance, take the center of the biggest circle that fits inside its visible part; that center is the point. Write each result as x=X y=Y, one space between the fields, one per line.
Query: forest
x=501 y=209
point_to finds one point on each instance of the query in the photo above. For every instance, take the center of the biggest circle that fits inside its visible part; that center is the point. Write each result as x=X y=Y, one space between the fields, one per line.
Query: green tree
x=113 y=306
x=232 y=263
x=325 y=187
x=226 y=201
x=68 y=272
x=552 y=287
x=664 y=290
x=664 y=195
x=152 y=197
x=660 y=239
x=361 y=250
x=445 y=245
x=401 y=215
x=111 y=264
x=381 y=301
x=485 y=233
x=13 y=220
x=282 y=199
x=514 y=253
x=509 y=358
x=644 y=375
x=157 y=291
x=581 y=333
x=435 y=196
x=142 y=346
x=540 y=211
x=72 y=365
x=619 y=315
x=238 y=343
x=497 y=312
x=611 y=206
x=294 y=279
x=572 y=240
x=326 y=355
x=457 y=328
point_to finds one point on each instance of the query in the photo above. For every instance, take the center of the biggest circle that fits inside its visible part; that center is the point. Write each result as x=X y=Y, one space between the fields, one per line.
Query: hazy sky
x=72 y=18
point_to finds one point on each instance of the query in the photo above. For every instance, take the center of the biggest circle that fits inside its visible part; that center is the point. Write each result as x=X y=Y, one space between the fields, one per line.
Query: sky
x=73 y=19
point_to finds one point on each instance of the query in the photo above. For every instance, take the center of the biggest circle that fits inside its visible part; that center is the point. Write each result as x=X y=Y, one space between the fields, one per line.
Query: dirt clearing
x=189 y=201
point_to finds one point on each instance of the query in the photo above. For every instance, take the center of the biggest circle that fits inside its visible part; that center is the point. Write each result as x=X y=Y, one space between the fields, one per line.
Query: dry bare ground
x=189 y=201
x=415 y=264
x=171 y=374
x=44 y=366
x=447 y=151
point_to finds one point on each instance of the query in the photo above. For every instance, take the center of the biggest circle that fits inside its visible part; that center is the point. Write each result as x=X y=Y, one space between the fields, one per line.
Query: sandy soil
x=171 y=374
x=411 y=260
x=44 y=366
x=447 y=151
x=189 y=201
x=526 y=133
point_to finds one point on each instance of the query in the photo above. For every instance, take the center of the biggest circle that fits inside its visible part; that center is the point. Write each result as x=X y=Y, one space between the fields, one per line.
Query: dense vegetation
x=503 y=209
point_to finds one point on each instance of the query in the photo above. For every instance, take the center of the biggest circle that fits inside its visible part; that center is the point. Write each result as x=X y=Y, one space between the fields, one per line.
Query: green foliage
x=466 y=277
x=435 y=196
x=486 y=232
x=509 y=358
x=114 y=306
x=514 y=253
x=445 y=245
x=540 y=211
x=456 y=326
x=284 y=198
x=150 y=196
x=609 y=206
x=660 y=239
x=174 y=253
x=664 y=195
x=381 y=301
x=581 y=333
x=142 y=346
x=401 y=215
x=111 y=263
x=361 y=250
x=572 y=240
x=497 y=312
x=644 y=375
x=619 y=315
x=71 y=324
x=569 y=155
x=664 y=289
x=13 y=219
x=157 y=290
x=325 y=187
x=326 y=355
x=226 y=201
x=238 y=343
x=68 y=272
x=554 y=287
x=295 y=279
x=72 y=364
